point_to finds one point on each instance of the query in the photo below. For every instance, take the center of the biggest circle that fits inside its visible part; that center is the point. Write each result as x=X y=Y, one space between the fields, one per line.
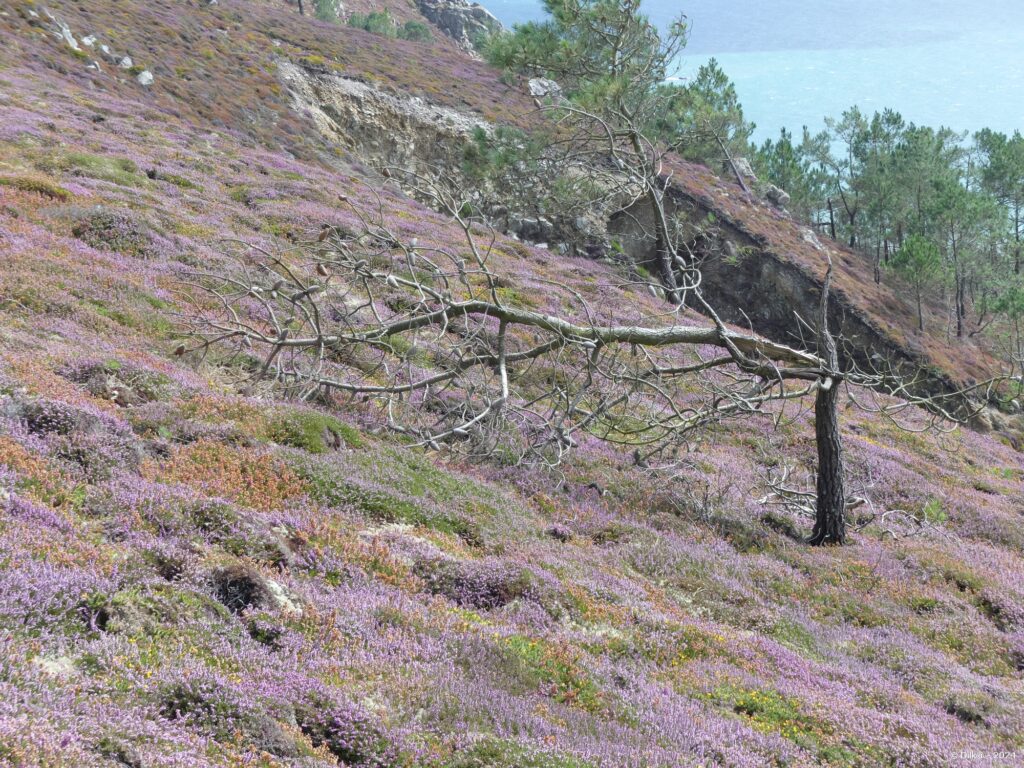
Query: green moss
x=154 y=302
x=932 y=512
x=175 y=179
x=513 y=297
x=796 y=636
x=920 y=604
x=37 y=184
x=116 y=170
x=116 y=315
x=964 y=579
x=312 y=431
x=241 y=194
x=849 y=608
x=545 y=666
x=771 y=711
x=503 y=753
x=327 y=488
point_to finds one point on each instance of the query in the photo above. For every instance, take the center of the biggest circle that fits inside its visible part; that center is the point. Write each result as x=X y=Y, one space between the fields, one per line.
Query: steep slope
x=191 y=575
x=220 y=64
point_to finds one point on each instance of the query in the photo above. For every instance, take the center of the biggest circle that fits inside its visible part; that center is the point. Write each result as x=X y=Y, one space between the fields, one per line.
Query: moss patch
x=36 y=184
x=313 y=432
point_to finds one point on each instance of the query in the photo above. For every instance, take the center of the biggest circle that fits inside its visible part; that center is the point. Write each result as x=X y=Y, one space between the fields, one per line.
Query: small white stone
x=145 y=77
x=55 y=666
x=283 y=599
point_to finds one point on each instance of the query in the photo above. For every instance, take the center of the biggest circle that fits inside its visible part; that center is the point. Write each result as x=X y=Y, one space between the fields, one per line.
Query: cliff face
x=468 y=24
x=752 y=286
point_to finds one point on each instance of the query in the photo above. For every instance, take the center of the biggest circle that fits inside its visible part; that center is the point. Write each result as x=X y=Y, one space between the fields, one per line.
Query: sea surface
x=937 y=62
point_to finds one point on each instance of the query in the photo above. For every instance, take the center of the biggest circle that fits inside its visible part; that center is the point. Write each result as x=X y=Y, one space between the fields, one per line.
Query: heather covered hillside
x=199 y=571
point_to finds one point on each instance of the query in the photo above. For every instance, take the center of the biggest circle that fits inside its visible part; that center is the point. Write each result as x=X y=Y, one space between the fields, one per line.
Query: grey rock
x=541 y=86
x=529 y=229
x=126 y=62
x=744 y=168
x=63 y=32
x=145 y=77
x=777 y=196
x=468 y=24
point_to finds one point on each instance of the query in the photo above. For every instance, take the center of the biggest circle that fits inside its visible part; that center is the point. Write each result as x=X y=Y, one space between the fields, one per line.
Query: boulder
x=541 y=86
x=744 y=169
x=777 y=196
x=145 y=77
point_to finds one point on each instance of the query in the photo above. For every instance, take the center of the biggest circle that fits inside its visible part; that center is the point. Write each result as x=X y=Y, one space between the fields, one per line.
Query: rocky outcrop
x=468 y=24
x=386 y=128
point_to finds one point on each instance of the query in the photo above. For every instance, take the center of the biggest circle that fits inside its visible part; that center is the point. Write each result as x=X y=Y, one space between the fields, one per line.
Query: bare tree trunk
x=961 y=311
x=1016 y=238
x=666 y=260
x=831 y=219
x=302 y=9
x=830 y=517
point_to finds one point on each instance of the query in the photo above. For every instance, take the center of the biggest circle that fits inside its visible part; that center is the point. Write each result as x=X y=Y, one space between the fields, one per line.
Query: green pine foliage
x=384 y=24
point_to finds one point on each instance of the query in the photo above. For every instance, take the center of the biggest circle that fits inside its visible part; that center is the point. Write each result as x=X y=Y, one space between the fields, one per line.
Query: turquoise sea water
x=938 y=62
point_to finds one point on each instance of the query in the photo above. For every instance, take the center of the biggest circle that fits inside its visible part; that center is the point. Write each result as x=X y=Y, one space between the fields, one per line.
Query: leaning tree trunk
x=663 y=249
x=830 y=511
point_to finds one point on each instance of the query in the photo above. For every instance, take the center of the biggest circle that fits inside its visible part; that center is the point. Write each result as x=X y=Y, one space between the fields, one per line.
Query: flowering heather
x=195 y=574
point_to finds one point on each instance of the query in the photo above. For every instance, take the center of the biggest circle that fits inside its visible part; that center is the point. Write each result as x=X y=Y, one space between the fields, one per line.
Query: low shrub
x=39 y=185
x=349 y=732
x=118 y=231
x=221 y=712
x=481 y=585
